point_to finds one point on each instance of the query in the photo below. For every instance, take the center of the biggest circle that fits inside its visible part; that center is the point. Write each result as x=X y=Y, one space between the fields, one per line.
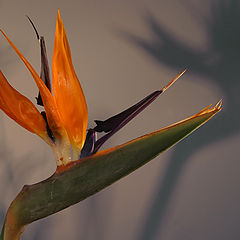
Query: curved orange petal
x=67 y=90
x=48 y=100
x=20 y=108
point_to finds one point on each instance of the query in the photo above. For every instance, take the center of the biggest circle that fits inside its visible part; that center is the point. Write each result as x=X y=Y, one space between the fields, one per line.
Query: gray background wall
x=122 y=51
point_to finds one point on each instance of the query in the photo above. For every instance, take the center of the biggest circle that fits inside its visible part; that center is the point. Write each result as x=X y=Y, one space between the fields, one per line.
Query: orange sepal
x=67 y=90
x=20 y=108
x=48 y=100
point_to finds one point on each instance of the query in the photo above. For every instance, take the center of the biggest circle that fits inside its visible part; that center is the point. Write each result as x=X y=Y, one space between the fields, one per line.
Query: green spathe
x=87 y=176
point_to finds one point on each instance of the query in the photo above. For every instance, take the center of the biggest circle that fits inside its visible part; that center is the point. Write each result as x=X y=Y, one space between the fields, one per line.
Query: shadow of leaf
x=219 y=64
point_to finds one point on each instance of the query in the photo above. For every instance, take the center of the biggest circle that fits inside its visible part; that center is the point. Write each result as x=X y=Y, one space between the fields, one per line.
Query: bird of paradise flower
x=63 y=125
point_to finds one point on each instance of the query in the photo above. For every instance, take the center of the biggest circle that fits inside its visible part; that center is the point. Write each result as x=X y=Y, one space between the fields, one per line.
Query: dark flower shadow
x=220 y=65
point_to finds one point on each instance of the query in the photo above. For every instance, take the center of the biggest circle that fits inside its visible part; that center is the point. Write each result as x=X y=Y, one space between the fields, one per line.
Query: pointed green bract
x=89 y=175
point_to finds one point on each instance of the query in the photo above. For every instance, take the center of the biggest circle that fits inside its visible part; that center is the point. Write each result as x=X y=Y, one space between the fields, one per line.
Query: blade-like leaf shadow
x=166 y=49
x=219 y=64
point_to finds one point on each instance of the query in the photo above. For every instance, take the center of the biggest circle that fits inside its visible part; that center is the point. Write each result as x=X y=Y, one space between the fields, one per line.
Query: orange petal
x=20 y=109
x=67 y=90
x=48 y=101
